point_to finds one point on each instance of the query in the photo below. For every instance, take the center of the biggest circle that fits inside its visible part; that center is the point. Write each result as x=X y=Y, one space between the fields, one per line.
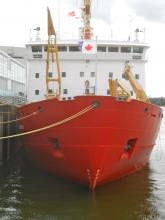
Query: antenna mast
x=87 y=30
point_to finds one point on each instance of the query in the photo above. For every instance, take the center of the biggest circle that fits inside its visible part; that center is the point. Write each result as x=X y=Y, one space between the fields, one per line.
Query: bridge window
x=92 y=74
x=73 y=48
x=62 y=48
x=125 y=49
x=101 y=48
x=37 y=49
x=137 y=49
x=113 y=49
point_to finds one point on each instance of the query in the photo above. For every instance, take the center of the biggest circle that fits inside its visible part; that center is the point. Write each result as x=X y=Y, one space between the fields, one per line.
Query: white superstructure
x=78 y=69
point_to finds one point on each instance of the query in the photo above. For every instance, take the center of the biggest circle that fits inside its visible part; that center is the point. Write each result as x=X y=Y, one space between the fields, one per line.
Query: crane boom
x=140 y=93
x=118 y=89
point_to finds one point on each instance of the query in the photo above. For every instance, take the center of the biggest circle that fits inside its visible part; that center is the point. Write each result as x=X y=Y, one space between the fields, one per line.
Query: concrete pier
x=7 y=146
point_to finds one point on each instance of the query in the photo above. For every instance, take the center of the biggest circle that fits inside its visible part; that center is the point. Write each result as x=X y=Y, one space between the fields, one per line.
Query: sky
x=111 y=19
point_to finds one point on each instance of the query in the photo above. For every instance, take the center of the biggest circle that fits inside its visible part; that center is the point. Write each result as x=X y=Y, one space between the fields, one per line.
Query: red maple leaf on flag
x=88 y=47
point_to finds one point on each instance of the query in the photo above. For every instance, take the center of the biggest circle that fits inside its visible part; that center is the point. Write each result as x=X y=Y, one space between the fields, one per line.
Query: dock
x=8 y=126
x=12 y=95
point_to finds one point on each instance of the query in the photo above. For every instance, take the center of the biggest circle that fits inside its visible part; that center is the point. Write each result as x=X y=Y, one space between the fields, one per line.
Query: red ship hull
x=106 y=143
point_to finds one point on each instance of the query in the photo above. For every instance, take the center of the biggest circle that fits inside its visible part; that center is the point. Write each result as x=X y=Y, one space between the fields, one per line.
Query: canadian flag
x=89 y=47
x=72 y=14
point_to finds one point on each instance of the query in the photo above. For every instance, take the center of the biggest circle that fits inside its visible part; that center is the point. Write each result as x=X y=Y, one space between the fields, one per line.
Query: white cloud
x=149 y=9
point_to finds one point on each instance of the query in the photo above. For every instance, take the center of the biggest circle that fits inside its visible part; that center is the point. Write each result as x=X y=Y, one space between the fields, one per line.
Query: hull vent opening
x=130 y=145
x=129 y=148
x=55 y=143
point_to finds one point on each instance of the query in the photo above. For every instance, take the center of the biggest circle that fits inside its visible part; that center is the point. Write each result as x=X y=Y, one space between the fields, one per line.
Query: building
x=12 y=80
x=12 y=93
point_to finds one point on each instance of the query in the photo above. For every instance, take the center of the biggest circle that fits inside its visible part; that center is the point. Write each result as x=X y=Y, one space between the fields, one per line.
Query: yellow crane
x=52 y=58
x=117 y=89
x=140 y=93
x=120 y=91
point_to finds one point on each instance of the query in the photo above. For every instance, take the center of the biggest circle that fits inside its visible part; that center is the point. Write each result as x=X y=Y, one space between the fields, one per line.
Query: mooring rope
x=94 y=105
x=19 y=119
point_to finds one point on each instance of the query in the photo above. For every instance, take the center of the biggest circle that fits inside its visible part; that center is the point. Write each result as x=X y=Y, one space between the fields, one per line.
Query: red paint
x=91 y=149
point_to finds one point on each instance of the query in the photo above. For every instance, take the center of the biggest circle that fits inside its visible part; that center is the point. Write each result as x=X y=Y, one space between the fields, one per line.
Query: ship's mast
x=87 y=30
x=52 y=57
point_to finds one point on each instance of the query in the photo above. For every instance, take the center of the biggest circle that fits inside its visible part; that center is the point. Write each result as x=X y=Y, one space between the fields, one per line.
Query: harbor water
x=27 y=193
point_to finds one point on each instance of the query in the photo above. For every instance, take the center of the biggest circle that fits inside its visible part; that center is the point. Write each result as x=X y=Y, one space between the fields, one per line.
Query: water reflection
x=10 y=192
x=27 y=193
